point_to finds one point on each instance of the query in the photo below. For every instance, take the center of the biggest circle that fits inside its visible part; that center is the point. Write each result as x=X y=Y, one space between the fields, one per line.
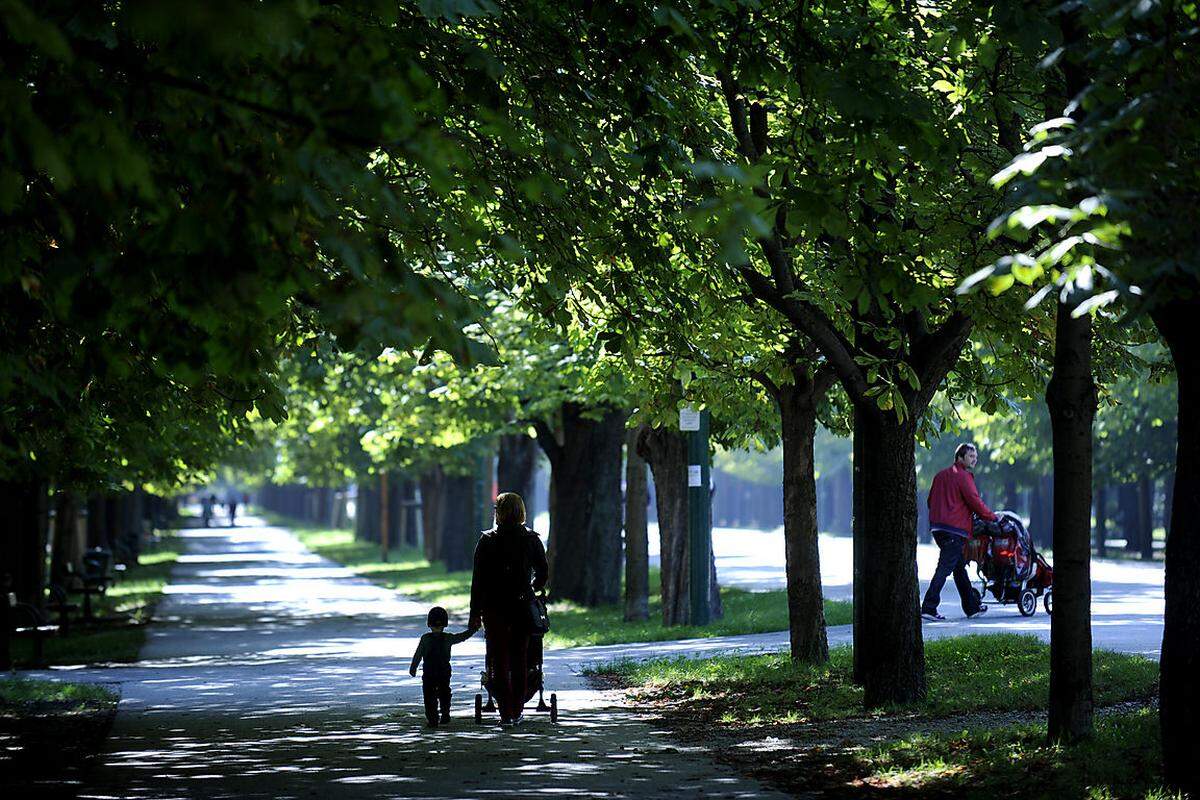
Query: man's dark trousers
x=437 y=690
x=950 y=560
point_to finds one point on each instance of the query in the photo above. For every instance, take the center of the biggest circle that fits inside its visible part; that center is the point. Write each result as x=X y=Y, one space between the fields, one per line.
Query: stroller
x=534 y=684
x=1008 y=564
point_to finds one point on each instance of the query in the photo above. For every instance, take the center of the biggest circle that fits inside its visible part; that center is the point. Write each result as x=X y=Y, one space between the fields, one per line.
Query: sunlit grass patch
x=1120 y=761
x=985 y=672
x=22 y=693
x=571 y=625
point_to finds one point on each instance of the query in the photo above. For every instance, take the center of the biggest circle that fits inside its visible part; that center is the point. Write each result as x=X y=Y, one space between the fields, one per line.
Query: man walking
x=952 y=500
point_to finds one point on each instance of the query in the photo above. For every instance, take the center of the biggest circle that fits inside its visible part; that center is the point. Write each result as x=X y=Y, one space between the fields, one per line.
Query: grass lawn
x=124 y=610
x=571 y=625
x=50 y=731
x=21 y=693
x=984 y=672
x=974 y=736
x=1120 y=761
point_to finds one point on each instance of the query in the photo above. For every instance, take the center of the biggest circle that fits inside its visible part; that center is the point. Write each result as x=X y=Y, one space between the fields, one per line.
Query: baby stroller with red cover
x=1008 y=564
x=534 y=684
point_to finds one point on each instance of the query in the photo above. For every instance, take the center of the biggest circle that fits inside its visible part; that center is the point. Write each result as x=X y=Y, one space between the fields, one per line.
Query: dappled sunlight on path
x=271 y=672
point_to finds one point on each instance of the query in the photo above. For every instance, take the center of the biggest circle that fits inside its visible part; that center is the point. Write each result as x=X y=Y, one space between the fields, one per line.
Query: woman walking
x=510 y=565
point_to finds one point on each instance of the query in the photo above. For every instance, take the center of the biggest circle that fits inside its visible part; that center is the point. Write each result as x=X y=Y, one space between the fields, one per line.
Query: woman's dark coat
x=509 y=560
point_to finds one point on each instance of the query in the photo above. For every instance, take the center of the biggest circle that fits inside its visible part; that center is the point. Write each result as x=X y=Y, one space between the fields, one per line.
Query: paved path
x=274 y=673
x=1127 y=596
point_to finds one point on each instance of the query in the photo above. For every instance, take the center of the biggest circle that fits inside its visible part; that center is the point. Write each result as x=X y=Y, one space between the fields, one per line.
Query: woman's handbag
x=537 y=618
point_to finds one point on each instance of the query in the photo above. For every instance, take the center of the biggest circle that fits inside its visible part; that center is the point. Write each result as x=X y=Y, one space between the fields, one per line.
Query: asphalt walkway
x=271 y=672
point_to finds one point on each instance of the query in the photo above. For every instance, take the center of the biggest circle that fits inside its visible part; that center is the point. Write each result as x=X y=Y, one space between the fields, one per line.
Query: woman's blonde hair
x=510 y=509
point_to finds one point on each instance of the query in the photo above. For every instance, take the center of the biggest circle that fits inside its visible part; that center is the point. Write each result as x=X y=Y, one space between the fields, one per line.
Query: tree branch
x=937 y=354
x=815 y=325
x=547 y=441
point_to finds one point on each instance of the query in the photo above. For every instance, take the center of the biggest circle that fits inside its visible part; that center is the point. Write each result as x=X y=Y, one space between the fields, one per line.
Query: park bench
x=61 y=605
x=97 y=572
x=23 y=621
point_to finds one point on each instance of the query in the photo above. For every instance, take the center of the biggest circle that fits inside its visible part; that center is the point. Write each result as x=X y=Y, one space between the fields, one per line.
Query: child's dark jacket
x=434 y=649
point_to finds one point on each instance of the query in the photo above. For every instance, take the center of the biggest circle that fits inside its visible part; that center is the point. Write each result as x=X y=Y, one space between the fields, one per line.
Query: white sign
x=694 y=475
x=689 y=419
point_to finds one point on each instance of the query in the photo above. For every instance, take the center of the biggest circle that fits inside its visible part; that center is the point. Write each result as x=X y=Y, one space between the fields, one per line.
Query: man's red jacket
x=952 y=499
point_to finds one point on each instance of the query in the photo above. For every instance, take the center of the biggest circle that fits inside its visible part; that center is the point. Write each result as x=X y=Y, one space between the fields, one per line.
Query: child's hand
x=412 y=672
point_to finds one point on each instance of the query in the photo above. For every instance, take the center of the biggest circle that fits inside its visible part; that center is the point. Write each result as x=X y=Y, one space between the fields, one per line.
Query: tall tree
x=1113 y=189
x=637 y=545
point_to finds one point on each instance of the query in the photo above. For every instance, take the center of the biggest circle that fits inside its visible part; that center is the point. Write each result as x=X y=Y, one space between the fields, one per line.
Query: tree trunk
x=515 y=468
x=1071 y=398
x=1011 y=499
x=433 y=510
x=585 y=528
x=858 y=544
x=459 y=532
x=1146 y=517
x=1179 y=690
x=637 y=545
x=23 y=539
x=67 y=547
x=1101 y=520
x=666 y=452
x=802 y=556
x=892 y=658
x=1168 y=501
x=1127 y=511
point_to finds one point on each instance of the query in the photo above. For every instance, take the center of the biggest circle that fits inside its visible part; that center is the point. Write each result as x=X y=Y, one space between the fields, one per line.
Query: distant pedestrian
x=434 y=650
x=231 y=500
x=206 y=509
x=953 y=499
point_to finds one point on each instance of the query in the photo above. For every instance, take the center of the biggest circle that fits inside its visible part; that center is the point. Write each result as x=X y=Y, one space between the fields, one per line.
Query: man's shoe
x=445 y=719
x=982 y=610
x=520 y=718
x=932 y=616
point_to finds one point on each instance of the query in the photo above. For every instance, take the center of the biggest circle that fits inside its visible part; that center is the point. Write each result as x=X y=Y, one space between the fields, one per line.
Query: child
x=435 y=677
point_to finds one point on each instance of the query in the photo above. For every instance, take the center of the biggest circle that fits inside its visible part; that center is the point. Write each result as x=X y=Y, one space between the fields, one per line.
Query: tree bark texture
x=802 y=556
x=68 y=543
x=1179 y=688
x=433 y=508
x=515 y=468
x=366 y=513
x=23 y=544
x=666 y=453
x=585 y=526
x=97 y=526
x=459 y=531
x=892 y=656
x=858 y=542
x=1146 y=517
x=1071 y=398
x=637 y=545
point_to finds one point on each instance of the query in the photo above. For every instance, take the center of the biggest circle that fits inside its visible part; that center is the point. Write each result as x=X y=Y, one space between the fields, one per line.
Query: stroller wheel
x=1048 y=602
x=553 y=707
x=1027 y=603
x=478 y=708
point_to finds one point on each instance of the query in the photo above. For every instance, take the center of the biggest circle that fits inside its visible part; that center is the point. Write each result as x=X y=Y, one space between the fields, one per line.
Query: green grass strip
x=983 y=672
x=1121 y=760
x=20 y=693
x=572 y=625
